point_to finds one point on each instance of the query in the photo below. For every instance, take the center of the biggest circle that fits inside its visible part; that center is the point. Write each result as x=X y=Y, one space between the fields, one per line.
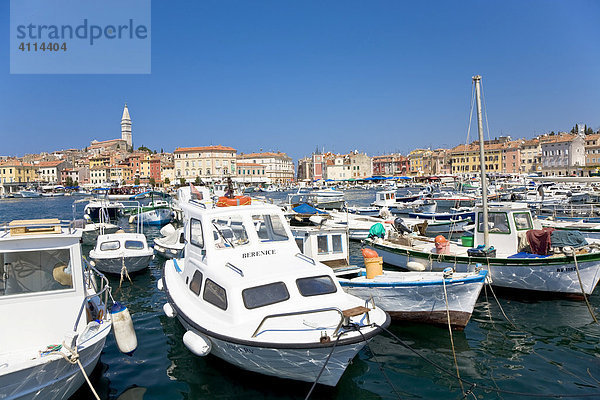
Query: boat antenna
x=484 y=195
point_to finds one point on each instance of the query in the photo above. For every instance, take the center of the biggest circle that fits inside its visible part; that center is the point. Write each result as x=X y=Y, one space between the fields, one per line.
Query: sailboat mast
x=484 y=194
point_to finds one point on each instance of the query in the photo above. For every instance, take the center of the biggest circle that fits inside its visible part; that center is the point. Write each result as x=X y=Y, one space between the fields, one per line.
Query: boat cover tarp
x=564 y=238
x=377 y=230
x=524 y=254
x=307 y=209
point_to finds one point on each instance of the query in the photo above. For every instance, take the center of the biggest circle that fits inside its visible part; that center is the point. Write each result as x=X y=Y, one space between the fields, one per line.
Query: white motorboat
x=121 y=252
x=245 y=294
x=52 y=311
x=426 y=297
x=30 y=193
x=172 y=242
x=102 y=210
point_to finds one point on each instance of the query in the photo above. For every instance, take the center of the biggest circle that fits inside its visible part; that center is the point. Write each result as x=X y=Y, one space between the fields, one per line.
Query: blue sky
x=377 y=76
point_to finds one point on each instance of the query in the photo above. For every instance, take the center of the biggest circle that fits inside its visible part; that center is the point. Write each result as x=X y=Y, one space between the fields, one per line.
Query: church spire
x=126 y=126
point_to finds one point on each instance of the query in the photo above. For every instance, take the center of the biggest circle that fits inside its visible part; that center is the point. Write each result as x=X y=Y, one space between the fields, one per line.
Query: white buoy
x=415 y=266
x=123 y=328
x=196 y=343
x=132 y=219
x=159 y=285
x=169 y=310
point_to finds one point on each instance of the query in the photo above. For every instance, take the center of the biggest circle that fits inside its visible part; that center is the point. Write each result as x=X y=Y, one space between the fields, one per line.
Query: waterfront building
x=71 y=173
x=390 y=165
x=150 y=168
x=101 y=160
x=279 y=167
x=361 y=165
x=420 y=162
x=511 y=157
x=167 y=172
x=563 y=154
x=592 y=153
x=120 y=174
x=15 y=171
x=305 y=169
x=252 y=173
x=209 y=163
x=465 y=158
x=337 y=167
x=50 y=171
x=531 y=156
x=99 y=176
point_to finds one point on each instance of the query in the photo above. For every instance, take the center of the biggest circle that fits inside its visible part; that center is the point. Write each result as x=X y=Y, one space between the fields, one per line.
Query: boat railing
x=570 y=210
x=102 y=291
x=305 y=258
x=304 y=312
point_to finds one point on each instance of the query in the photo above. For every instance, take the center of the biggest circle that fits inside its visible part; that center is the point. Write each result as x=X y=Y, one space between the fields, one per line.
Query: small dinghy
x=172 y=242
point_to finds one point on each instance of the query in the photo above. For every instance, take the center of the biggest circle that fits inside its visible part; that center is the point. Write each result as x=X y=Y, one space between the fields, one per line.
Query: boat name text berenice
x=258 y=253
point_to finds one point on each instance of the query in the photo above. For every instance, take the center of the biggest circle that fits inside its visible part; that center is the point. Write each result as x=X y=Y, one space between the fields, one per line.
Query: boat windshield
x=269 y=228
x=229 y=231
x=35 y=271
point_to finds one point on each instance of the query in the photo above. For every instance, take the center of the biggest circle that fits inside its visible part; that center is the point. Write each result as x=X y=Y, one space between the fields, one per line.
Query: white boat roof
x=503 y=206
x=54 y=231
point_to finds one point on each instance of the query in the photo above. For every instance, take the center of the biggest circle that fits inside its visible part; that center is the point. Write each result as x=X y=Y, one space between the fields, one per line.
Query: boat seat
x=355 y=311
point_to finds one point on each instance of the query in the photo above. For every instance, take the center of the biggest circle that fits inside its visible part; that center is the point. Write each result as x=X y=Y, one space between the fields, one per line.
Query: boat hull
x=301 y=364
x=422 y=301
x=56 y=379
x=158 y=216
x=114 y=265
x=556 y=275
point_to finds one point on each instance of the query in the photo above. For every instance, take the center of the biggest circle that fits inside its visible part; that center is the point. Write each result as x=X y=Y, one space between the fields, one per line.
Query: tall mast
x=484 y=194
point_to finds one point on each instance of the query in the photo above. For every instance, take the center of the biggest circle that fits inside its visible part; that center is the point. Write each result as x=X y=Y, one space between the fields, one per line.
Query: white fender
x=123 y=328
x=169 y=310
x=159 y=285
x=196 y=343
x=415 y=266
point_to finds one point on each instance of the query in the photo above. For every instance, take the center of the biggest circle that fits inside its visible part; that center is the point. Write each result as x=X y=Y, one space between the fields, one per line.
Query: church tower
x=126 y=127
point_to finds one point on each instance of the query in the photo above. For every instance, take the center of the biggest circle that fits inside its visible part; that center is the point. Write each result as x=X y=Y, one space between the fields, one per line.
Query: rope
x=462 y=389
x=124 y=269
x=72 y=358
x=587 y=302
x=323 y=367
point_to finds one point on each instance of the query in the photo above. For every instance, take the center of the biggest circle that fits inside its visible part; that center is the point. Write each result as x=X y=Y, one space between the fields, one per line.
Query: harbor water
x=546 y=347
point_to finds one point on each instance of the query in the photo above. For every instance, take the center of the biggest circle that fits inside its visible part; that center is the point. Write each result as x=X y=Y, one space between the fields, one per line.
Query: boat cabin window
x=269 y=228
x=229 y=232
x=497 y=222
x=336 y=241
x=315 y=285
x=196 y=283
x=112 y=245
x=322 y=244
x=196 y=237
x=523 y=221
x=300 y=243
x=265 y=295
x=215 y=294
x=35 y=271
x=134 y=245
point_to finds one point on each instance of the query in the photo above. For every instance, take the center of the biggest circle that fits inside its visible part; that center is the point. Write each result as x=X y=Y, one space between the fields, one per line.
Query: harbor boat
x=445 y=216
x=245 y=294
x=90 y=229
x=53 y=191
x=424 y=297
x=121 y=252
x=52 y=311
x=172 y=242
x=155 y=212
x=358 y=226
x=588 y=229
x=327 y=199
x=30 y=193
x=402 y=205
x=498 y=240
x=102 y=210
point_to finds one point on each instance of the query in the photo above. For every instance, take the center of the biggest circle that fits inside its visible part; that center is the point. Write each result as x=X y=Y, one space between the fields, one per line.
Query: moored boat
x=245 y=294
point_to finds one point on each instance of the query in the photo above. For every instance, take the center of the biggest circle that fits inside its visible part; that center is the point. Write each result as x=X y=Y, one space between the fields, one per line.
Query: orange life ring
x=236 y=201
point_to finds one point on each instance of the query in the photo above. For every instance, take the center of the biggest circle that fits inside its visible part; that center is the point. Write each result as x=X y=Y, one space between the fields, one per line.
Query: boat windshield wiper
x=222 y=235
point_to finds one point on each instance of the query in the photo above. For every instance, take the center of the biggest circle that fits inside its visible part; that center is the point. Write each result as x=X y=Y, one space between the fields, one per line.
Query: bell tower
x=126 y=127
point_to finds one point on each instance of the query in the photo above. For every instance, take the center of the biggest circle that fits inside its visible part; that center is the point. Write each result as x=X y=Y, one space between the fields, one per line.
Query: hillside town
x=116 y=162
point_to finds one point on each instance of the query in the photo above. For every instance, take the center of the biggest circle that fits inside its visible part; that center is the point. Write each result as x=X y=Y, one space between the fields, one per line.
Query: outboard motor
x=400 y=227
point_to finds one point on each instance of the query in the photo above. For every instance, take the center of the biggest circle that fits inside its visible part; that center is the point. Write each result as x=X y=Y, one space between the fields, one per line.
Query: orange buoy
x=369 y=253
x=236 y=201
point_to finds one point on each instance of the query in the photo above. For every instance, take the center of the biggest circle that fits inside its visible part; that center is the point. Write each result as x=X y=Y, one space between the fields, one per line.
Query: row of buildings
x=562 y=154
x=115 y=162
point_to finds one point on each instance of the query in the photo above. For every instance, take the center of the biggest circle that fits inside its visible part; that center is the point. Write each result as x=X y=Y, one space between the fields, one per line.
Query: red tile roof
x=205 y=148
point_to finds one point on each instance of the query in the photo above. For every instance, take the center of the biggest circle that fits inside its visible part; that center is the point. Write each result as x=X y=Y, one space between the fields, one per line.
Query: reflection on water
x=552 y=348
